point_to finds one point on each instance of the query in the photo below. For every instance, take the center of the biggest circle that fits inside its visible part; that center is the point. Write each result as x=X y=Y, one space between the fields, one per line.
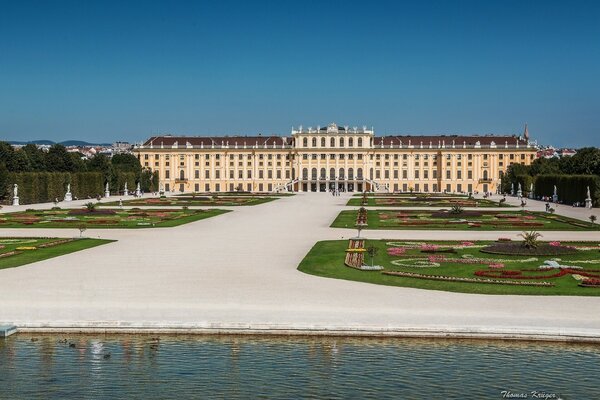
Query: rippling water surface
x=166 y=367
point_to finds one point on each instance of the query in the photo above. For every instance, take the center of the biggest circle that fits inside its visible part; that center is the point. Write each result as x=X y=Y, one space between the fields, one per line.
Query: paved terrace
x=238 y=271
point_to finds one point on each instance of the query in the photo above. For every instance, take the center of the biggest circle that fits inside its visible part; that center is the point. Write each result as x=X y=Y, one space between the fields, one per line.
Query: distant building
x=334 y=157
x=121 y=147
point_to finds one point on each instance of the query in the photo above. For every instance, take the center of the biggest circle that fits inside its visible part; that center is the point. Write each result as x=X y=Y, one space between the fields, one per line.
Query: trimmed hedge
x=45 y=187
x=570 y=188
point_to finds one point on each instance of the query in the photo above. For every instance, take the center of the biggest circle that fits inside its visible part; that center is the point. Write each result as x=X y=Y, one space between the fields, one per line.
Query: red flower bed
x=591 y=282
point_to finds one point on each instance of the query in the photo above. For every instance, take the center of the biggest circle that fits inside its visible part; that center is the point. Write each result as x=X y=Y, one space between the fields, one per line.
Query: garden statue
x=125 y=191
x=138 y=191
x=106 y=191
x=519 y=191
x=555 y=195
x=68 y=195
x=161 y=189
x=15 y=195
x=512 y=189
x=588 y=199
x=531 y=195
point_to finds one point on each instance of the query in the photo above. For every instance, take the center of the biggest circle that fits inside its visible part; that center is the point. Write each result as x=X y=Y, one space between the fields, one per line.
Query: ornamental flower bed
x=9 y=253
x=98 y=211
x=354 y=257
x=590 y=282
x=516 y=248
x=54 y=243
x=396 y=251
x=467 y=280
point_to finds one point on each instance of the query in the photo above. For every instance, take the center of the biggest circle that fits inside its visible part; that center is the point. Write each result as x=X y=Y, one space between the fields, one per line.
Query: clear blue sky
x=124 y=70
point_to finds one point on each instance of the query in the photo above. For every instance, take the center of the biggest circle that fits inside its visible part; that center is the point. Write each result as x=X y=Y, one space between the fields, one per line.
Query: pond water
x=182 y=367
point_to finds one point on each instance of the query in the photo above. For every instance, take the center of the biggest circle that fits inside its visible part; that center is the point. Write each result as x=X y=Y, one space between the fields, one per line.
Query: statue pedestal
x=68 y=196
x=555 y=199
x=107 y=194
x=16 y=201
x=588 y=203
x=126 y=192
x=138 y=193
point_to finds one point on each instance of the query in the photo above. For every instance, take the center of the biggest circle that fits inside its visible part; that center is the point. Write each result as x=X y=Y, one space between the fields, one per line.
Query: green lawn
x=422 y=201
x=104 y=218
x=196 y=200
x=469 y=220
x=326 y=259
x=27 y=256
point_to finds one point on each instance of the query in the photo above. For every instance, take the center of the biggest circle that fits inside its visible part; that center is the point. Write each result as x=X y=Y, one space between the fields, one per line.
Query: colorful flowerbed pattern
x=103 y=218
x=465 y=220
x=421 y=200
x=196 y=200
x=19 y=251
x=464 y=266
x=497 y=269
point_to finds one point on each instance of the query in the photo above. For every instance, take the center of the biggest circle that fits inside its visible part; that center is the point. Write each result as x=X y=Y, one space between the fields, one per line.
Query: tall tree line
x=16 y=164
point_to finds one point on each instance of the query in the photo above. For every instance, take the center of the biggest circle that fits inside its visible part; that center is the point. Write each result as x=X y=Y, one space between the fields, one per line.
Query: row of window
x=332 y=156
x=208 y=187
x=376 y=174
x=332 y=142
x=240 y=175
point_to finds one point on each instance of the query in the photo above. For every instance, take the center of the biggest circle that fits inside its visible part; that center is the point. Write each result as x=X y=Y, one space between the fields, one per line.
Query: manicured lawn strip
x=408 y=194
x=326 y=259
x=237 y=194
x=179 y=201
x=176 y=218
x=347 y=219
x=30 y=256
x=408 y=202
x=190 y=218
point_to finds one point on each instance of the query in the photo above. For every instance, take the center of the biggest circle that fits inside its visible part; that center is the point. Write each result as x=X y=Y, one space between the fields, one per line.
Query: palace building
x=334 y=157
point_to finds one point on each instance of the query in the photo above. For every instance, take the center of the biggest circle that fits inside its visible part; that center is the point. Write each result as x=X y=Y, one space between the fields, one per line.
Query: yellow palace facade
x=333 y=158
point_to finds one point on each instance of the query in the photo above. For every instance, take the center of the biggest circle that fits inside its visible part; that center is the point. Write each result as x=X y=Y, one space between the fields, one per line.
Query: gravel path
x=238 y=271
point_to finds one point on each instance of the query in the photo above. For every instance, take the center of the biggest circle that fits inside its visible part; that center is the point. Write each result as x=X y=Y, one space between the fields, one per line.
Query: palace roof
x=449 y=140
x=209 y=141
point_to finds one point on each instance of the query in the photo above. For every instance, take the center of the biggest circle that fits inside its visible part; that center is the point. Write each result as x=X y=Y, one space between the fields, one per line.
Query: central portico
x=331 y=158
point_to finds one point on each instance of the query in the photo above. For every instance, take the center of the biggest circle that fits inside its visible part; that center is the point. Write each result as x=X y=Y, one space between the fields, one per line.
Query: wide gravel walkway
x=238 y=271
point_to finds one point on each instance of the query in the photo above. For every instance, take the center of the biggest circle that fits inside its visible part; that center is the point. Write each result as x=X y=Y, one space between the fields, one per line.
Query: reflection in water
x=149 y=367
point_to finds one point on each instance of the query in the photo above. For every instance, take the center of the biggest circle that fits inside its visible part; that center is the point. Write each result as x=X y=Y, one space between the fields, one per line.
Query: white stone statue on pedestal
x=512 y=189
x=588 y=199
x=15 y=195
x=125 y=191
x=161 y=189
x=555 y=195
x=519 y=190
x=531 y=195
x=68 y=195
x=138 y=190
x=106 y=191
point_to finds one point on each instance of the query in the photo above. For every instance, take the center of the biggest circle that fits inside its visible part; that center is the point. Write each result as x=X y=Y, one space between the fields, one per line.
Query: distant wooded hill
x=65 y=143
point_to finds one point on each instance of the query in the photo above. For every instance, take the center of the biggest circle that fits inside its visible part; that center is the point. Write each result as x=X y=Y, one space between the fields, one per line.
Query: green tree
x=4 y=181
x=100 y=163
x=544 y=166
x=7 y=154
x=587 y=161
x=126 y=163
x=36 y=156
x=20 y=162
x=58 y=159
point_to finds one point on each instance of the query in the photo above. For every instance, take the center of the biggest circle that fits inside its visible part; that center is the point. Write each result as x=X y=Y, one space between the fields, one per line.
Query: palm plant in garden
x=593 y=219
x=456 y=209
x=91 y=207
x=530 y=239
